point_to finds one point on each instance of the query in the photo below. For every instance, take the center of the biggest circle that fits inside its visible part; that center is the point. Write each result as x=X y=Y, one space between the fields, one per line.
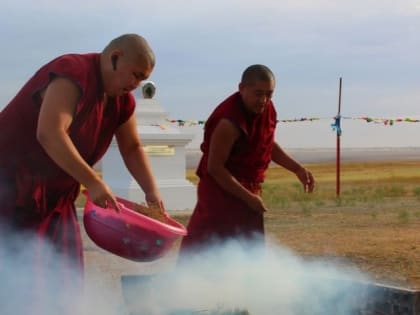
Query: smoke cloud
x=247 y=280
x=252 y=280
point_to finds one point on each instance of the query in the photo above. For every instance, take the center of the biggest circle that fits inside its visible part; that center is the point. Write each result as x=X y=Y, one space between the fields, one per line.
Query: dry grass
x=374 y=224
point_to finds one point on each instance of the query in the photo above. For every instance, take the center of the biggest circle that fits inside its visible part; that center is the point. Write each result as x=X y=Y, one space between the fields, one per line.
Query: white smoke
x=30 y=288
x=261 y=281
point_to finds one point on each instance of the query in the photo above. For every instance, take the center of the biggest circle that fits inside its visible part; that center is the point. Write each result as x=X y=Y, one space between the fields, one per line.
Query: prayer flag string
x=334 y=125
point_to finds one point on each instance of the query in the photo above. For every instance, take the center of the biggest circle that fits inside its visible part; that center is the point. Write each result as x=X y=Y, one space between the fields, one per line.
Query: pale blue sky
x=202 y=47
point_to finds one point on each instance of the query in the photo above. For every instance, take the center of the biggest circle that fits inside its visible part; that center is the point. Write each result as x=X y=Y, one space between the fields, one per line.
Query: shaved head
x=125 y=62
x=255 y=73
x=134 y=46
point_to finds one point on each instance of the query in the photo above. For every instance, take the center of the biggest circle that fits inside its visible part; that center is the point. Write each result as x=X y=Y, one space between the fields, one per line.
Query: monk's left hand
x=306 y=179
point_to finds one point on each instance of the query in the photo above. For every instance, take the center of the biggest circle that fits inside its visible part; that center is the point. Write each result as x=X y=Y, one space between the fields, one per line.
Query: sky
x=202 y=47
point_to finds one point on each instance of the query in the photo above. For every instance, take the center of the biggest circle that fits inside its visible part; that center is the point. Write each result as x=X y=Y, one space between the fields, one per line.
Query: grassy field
x=374 y=224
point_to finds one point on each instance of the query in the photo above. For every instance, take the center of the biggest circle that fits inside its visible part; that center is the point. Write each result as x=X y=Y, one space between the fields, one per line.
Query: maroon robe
x=36 y=195
x=218 y=215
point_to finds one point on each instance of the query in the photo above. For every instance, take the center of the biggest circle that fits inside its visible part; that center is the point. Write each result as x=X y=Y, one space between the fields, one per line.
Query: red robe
x=218 y=215
x=36 y=195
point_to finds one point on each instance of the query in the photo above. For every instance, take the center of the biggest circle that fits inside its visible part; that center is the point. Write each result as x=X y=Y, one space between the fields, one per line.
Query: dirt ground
x=385 y=245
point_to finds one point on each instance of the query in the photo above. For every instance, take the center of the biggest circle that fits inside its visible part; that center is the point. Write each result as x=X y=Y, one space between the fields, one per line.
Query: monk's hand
x=306 y=179
x=154 y=201
x=256 y=203
x=156 y=206
x=102 y=195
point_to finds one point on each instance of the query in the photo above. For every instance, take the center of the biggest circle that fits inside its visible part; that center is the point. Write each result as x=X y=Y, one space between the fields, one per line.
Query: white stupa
x=165 y=145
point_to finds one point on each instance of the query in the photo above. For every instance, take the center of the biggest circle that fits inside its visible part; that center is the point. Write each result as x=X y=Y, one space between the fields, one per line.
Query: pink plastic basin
x=128 y=233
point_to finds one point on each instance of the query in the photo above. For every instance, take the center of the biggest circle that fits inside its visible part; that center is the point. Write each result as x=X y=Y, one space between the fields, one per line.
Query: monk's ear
x=116 y=52
x=240 y=86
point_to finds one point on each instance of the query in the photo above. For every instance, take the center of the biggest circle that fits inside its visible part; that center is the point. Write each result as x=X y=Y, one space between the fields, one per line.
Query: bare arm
x=279 y=156
x=59 y=102
x=137 y=161
x=222 y=140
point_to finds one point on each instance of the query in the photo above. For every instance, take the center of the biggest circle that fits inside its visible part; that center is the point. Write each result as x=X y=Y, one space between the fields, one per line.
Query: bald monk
x=237 y=149
x=53 y=131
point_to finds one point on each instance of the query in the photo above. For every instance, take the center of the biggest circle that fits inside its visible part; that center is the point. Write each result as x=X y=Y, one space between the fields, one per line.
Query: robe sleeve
x=67 y=66
x=127 y=105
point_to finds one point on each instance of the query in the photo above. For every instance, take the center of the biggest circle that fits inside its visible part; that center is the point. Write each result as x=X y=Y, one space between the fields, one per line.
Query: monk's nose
x=263 y=100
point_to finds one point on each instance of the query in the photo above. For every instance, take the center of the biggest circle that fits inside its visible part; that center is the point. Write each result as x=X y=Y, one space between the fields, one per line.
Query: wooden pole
x=338 y=126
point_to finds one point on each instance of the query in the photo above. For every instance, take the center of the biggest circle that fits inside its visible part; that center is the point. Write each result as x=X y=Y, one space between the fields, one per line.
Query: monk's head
x=125 y=62
x=257 y=87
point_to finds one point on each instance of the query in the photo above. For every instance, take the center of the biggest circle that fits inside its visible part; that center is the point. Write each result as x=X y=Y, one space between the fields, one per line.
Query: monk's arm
x=136 y=160
x=279 y=156
x=58 y=105
x=221 y=143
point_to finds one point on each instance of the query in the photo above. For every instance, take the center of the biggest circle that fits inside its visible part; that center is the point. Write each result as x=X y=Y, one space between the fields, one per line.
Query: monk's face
x=125 y=74
x=256 y=95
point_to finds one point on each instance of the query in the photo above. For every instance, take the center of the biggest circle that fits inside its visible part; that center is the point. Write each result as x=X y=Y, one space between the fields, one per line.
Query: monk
x=51 y=134
x=237 y=149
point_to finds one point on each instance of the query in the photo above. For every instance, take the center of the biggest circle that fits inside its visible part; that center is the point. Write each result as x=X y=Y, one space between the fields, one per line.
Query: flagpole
x=338 y=128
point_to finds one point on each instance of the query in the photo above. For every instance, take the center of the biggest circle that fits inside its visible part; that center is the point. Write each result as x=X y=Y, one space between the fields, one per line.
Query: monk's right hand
x=102 y=195
x=256 y=203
